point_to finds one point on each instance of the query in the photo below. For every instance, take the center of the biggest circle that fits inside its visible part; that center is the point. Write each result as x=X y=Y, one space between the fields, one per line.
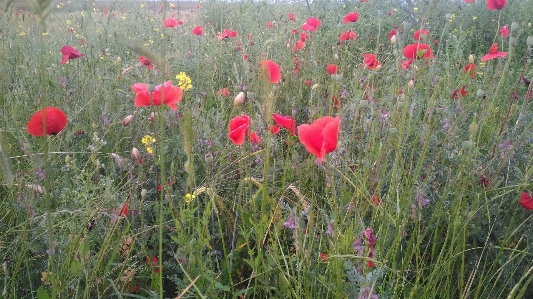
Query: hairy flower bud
x=136 y=155
x=471 y=58
x=126 y=121
x=239 y=99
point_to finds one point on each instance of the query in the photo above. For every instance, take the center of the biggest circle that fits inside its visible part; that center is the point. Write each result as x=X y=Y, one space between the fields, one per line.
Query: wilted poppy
x=69 y=53
x=456 y=92
x=320 y=137
x=496 y=4
x=223 y=92
x=238 y=129
x=471 y=69
x=370 y=61
x=54 y=121
x=348 y=35
x=227 y=34
x=271 y=69
x=331 y=68
x=351 y=17
x=286 y=122
x=254 y=138
x=504 y=31
x=421 y=34
x=198 y=30
x=298 y=45
x=145 y=61
x=493 y=53
x=311 y=24
x=526 y=201
x=172 y=94
x=304 y=36
x=170 y=23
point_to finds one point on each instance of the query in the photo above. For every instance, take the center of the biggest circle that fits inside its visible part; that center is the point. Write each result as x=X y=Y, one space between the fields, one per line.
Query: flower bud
x=126 y=121
x=473 y=129
x=136 y=155
x=239 y=99
x=363 y=104
x=118 y=159
x=468 y=145
x=411 y=84
x=209 y=159
x=336 y=56
x=250 y=95
x=143 y=193
x=237 y=88
x=471 y=58
x=480 y=93
x=314 y=87
x=151 y=87
x=393 y=39
x=153 y=115
x=529 y=41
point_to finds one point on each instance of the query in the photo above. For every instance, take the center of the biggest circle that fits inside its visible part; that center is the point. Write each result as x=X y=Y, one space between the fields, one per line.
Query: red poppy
x=311 y=24
x=272 y=70
x=493 y=53
x=351 y=17
x=348 y=35
x=331 y=68
x=270 y=24
x=154 y=262
x=304 y=36
x=227 y=34
x=172 y=94
x=124 y=211
x=456 y=92
x=504 y=31
x=335 y=101
x=320 y=137
x=54 y=119
x=370 y=61
x=323 y=257
x=274 y=129
x=470 y=68
x=254 y=138
x=526 y=201
x=145 y=61
x=223 y=92
x=69 y=53
x=496 y=4
x=298 y=45
x=417 y=50
x=421 y=33
x=376 y=200
x=308 y=82
x=170 y=23
x=286 y=122
x=238 y=129
x=392 y=33
x=291 y=17
x=198 y=30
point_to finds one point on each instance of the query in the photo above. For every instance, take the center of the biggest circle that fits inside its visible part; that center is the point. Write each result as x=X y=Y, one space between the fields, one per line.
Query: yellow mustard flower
x=185 y=82
x=148 y=140
x=189 y=197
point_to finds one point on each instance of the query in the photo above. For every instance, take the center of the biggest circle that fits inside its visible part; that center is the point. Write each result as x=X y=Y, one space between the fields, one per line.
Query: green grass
x=437 y=180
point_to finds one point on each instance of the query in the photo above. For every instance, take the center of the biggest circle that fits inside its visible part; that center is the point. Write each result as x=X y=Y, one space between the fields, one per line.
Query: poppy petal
x=55 y=120
x=272 y=69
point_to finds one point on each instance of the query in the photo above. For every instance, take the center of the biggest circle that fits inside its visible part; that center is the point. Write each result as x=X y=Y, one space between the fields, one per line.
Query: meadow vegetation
x=281 y=150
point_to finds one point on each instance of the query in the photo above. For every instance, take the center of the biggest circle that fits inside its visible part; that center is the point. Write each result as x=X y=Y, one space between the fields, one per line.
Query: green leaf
x=75 y=267
x=222 y=287
x=42 y=294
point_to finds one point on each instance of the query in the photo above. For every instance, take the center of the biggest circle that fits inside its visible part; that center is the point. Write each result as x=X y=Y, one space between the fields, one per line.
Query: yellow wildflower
x=185 y=82
x=189 y=197
x=150 y=150
x=148 y=140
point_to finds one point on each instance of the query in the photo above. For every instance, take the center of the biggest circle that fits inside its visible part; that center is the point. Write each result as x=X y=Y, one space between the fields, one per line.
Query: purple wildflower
x=292 y=223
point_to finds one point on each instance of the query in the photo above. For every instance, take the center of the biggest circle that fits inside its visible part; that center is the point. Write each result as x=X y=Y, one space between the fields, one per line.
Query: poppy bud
x=239 y=99
x=393 y=39
x=126 y=121
x=143 y=193
x=468 y=145
x=363 y=104
x=336 y=56
x=209 y=159
x=136 y=155
x=480 y=93
x=374 y=113
x=250 y=95
x=237 y=88
x=118 y=159
x=514 y=26
x=529 y=41
x=473 y=129
x=151 y=87
x=471 y=58
x=411 y=84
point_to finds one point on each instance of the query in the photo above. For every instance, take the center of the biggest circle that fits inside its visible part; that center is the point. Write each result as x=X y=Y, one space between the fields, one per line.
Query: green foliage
x=434 y=178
